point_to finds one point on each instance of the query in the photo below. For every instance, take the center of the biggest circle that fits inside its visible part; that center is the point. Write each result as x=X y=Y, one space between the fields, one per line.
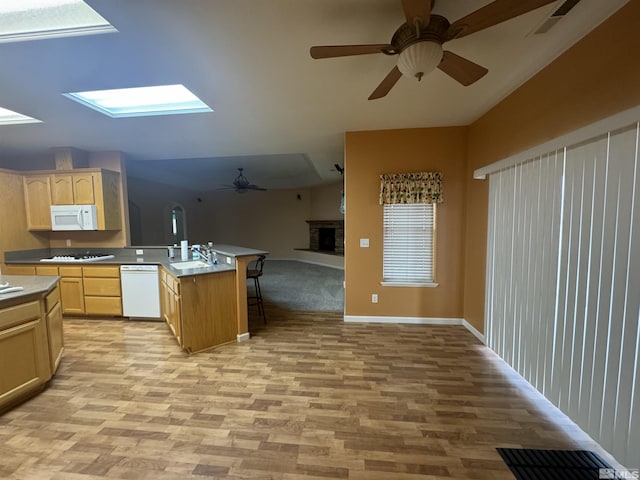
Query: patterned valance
x=417 y=187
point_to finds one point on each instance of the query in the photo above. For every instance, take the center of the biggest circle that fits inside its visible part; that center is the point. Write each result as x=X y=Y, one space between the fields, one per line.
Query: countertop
x=31 y=284
x=128 y=256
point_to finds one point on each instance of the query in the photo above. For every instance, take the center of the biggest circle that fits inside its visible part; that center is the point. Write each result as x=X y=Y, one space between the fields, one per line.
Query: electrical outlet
x=364 y=243
x=374 y=298
x=68 y=242
x=139 y=251
x=229 y=260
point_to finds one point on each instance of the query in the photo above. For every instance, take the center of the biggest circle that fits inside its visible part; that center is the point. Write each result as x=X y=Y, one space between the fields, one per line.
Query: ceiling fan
x=241 y=184
x=418 y=42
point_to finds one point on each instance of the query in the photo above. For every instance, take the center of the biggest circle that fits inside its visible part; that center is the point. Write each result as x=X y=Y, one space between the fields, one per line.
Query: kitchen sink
x=190 y=264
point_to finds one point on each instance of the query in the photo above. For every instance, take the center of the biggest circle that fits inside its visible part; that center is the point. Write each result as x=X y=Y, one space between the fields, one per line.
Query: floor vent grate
x=528 y=464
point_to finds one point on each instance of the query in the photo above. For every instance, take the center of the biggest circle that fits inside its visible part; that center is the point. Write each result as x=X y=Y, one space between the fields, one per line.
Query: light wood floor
x=308 y=397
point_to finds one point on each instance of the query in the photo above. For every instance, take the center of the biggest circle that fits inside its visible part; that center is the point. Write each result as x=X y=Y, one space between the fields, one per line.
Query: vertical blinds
x=563 y=282
x=408 y=243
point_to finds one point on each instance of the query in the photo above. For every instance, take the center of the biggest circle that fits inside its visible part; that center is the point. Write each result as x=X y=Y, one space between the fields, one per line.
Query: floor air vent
x=528 y=464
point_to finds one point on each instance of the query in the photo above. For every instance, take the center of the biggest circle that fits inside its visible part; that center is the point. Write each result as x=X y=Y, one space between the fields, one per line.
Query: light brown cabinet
x=62 y=189
x=72 y=290
x=170 y=303
x=54 y=328
x=37 y=199
x=94 y=186
x=24 y=351
x=102 y=294
x=200 y=309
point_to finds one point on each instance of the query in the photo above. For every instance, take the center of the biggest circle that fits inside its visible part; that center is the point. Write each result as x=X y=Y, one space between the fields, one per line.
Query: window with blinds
x=409 y=233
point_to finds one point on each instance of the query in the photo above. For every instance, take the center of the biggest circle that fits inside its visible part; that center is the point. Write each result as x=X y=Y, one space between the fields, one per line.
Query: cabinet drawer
x=102 y=287
x=19 y=314
x=103 y=306
x=70 y=271
x=19 y=270
x=111 y=271
x=46 y=270
x=52 y=298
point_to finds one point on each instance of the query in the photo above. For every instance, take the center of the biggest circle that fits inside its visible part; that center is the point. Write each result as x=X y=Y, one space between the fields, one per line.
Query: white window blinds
x=408 y=243
x=563 y=282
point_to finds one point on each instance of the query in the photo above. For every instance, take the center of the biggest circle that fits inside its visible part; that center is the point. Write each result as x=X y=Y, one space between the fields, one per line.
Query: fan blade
x=331 y=51
x=255 y=187
x=490 y=15
x=387 y=84
x=417 y=9
x=460 y=69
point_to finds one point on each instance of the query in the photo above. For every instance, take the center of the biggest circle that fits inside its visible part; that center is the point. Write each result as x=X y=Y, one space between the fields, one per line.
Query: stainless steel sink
x=190 y=264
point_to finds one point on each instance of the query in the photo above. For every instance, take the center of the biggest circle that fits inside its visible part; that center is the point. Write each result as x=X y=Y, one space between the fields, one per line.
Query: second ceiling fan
x=418 y=42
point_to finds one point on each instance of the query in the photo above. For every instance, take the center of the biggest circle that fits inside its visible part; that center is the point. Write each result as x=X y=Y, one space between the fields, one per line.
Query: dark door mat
x=530 y=464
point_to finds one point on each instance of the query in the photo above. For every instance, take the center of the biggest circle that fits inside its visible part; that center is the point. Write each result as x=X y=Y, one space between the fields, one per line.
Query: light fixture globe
x=420 y=58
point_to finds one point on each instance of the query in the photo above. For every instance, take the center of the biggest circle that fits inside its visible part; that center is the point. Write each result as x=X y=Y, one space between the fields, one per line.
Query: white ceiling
x=278 y=113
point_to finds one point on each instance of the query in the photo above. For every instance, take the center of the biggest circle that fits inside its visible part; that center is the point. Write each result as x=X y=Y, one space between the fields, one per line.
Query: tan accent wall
x=367 y=155
x=596 y=78
x=13 y=217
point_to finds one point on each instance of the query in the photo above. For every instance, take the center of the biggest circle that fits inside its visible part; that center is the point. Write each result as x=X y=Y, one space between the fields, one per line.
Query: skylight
x=35 y=19
x=141 y=101
x=9 y=117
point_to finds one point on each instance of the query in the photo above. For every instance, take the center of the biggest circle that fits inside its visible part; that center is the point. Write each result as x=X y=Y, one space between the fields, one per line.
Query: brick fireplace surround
x=315 y=227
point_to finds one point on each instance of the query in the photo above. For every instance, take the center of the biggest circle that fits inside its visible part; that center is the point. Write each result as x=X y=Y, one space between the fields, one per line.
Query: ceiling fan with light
x=241 y=184
x=418 y=42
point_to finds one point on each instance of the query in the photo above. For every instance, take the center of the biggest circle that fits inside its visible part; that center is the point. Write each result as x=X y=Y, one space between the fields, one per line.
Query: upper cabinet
x=37 y=198
x=73 y=187
x=61 y=189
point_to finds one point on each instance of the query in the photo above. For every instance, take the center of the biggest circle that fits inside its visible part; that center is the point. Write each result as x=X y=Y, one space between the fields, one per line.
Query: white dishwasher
x=140 y=291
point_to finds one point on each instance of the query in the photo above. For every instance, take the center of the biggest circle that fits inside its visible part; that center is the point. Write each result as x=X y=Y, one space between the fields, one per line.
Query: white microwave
x=74 y=217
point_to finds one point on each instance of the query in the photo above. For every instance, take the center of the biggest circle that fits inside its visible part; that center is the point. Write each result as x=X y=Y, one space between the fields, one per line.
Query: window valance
x=416 y=187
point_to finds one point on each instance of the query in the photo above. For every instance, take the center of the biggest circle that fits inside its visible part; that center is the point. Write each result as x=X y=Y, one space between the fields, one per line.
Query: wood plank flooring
x=308 y=397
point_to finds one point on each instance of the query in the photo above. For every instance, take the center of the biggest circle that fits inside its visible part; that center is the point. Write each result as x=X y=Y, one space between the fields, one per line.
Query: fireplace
x=326 y=236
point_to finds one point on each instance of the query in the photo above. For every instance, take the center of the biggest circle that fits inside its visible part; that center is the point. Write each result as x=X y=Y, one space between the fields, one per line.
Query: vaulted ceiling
x=277 y=112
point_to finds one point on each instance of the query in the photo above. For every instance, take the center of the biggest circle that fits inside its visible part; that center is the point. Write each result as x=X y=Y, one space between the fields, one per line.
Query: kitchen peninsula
x=204 y=307
x=31 y=341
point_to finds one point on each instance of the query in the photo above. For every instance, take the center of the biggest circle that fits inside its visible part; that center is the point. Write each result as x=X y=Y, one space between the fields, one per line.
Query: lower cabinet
x=72 y=290
x=84 y=290
x=54 y=328
x=170 y=304
x=102 y=295
x=200 y=310
x=25 y=364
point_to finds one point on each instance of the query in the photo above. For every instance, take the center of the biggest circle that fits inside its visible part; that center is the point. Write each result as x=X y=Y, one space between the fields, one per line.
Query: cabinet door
x=56 y=342
x=37 y=199
x=24 y=352
x=72 y=295
x=61 y=190
x=83 y=189
x=176 y=321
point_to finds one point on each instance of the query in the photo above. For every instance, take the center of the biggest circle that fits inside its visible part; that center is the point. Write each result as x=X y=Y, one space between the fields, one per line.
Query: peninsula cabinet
x=24 y=352
x=200 y=309
x=54 y=328
x=91 y=186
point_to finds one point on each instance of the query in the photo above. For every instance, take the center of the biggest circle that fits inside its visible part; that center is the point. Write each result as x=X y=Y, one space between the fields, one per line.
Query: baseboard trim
x=476 y=333
x=243 y=337
x=415 y=321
